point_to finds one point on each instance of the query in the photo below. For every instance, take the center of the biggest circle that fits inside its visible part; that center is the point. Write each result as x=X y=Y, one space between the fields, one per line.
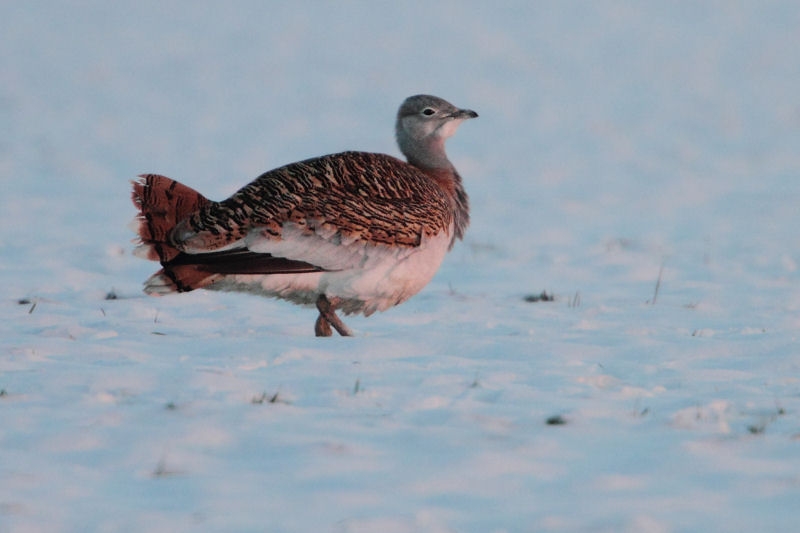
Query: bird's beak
x=463 y=114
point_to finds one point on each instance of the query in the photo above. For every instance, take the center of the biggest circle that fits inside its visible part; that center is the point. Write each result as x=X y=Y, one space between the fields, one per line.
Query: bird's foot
x=322 y=328
x=327 y=318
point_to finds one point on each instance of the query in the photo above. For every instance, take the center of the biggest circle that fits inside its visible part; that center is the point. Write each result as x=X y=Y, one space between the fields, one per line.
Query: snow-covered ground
x=619 y=144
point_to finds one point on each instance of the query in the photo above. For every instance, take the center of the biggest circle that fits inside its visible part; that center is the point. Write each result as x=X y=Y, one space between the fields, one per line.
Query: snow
x=619 y=144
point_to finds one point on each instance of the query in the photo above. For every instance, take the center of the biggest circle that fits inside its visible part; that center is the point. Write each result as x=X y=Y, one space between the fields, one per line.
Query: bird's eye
x=428 y=111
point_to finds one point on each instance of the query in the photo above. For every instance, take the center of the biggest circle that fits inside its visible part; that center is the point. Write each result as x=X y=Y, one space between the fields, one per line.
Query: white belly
x=383 y=277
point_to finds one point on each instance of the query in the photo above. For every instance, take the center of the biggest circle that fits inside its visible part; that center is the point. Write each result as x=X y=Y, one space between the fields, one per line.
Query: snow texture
x=637 y=160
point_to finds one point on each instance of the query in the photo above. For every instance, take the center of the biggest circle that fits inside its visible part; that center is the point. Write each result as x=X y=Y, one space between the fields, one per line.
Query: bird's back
x=349 y=196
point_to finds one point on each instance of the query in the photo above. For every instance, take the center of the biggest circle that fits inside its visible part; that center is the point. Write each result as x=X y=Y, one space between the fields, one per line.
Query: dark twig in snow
x=575 y=301
x=541 y=297
x=265 y=398
x=556 y=420
x=658 y=284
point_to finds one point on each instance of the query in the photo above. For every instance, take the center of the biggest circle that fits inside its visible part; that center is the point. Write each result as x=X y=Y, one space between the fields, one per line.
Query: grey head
x=424 y=123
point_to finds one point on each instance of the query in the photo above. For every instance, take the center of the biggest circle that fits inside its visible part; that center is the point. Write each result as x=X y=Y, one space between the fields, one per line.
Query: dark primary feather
x=242 y=261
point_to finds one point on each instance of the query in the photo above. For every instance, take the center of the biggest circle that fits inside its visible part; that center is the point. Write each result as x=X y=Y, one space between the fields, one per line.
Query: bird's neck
x=428 y=154
x=450 y=182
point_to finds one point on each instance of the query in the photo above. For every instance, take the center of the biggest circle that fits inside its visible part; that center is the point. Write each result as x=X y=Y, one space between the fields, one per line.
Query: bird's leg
x=322 y=328
x=328 y=318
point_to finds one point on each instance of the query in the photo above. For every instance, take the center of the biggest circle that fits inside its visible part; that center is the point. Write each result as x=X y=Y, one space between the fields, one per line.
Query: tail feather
x=162 y=203
x=179 y=278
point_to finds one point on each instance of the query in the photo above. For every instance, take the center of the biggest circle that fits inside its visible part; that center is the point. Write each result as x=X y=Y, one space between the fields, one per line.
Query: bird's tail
x=162 y=203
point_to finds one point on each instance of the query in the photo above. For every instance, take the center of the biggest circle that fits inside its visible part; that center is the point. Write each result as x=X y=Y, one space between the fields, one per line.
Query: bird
x=354 y=232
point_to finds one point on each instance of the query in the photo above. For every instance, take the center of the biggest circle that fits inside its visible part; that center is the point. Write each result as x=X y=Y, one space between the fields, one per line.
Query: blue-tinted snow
x=616 y=140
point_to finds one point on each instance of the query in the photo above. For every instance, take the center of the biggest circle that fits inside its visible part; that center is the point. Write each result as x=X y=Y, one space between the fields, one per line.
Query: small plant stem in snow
x=658 y=284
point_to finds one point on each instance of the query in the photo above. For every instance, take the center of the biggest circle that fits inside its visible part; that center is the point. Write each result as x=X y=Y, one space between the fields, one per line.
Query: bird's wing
x=331 y=212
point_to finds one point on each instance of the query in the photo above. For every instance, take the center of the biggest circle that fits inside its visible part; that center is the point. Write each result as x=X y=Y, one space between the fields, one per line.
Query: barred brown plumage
x=373 y=197
x=356 y=231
